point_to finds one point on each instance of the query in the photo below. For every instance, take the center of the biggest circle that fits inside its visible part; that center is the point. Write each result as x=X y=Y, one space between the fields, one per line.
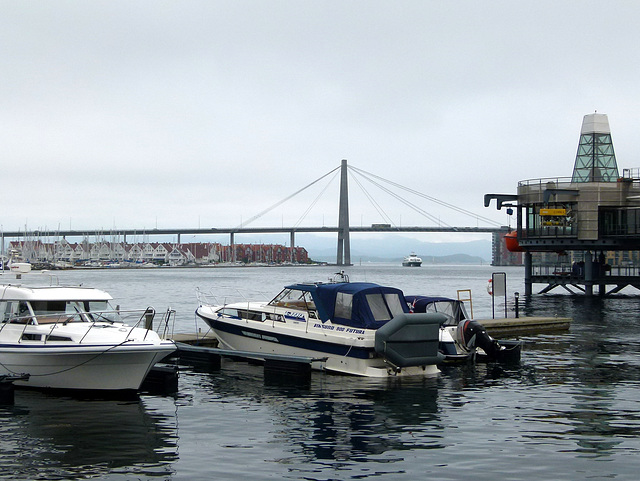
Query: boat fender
x=410 y=340
x=471 y=334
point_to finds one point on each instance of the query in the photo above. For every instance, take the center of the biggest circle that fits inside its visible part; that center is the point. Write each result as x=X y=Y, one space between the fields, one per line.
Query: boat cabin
x=358 y=304
x=49 y=305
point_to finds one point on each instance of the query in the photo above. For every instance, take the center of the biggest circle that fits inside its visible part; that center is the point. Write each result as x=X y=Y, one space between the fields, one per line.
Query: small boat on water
x=462 y=338
x=60 y=337
x=412 y=260
x=357 y=328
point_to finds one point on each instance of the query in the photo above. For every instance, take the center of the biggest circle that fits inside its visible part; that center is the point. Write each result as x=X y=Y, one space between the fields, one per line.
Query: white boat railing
x=167 y=324
x=228 y=295
x=126 y=319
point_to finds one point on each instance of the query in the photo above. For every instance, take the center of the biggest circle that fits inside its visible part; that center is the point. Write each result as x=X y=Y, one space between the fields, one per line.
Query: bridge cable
x=315 y=201
x=257 y=216
x=410 y=204
x=420 y=194
x=375 y=204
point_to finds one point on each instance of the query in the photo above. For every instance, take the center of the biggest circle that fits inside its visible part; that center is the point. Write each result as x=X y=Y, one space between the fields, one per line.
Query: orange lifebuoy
x=490 y=287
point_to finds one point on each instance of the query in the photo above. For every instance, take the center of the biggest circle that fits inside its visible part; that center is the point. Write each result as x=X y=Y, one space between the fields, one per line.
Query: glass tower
x=595 y=160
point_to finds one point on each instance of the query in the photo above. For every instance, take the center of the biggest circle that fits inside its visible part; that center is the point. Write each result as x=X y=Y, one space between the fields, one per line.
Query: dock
x=196 y=339
x=280 y=369
x=201 y=349
x=516 y=326
x=509 y=327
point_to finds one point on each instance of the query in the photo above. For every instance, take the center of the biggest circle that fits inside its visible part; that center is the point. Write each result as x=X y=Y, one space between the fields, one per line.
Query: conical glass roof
x=595 y=160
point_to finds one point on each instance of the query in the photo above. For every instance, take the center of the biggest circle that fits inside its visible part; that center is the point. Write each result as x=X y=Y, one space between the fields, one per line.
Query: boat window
x=251 y=315
x=48 y=307
x=273 y=317
x=50 y=312
x=453 y=310
x=378 y=307
x=344 y=301
x=294 y=298
x=72 y=310
x=31 y=337
x=229 y=312
x=394 y=303
x=14 y=311
x=101 y=311
x=280 y=299
x=58 y=338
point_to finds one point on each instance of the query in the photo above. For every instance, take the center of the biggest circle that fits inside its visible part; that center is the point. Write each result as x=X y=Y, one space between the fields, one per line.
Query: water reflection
x=571 y=401
x=46 y=437
x=337 y=418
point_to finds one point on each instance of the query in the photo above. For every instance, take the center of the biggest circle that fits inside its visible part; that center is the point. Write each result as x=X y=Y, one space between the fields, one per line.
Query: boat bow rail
x=226 y=295
x=129 y=320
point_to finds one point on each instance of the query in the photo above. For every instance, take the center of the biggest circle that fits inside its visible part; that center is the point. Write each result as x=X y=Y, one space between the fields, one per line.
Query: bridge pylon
x=344 y=246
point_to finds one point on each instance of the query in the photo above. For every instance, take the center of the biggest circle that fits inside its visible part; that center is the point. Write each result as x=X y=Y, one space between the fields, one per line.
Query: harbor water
x=569 y=410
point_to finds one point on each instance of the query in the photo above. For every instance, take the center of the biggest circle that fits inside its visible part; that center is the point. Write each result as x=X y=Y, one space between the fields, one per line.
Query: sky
x=180 y=114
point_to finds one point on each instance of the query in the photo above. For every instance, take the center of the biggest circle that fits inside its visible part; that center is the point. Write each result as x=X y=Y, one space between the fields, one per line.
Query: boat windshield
x=295 y=299
x=15 y=311
x=56 y=311
x=454 y=311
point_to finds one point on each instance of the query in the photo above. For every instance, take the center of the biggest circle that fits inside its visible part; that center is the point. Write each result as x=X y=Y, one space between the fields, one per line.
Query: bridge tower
x=344 y=246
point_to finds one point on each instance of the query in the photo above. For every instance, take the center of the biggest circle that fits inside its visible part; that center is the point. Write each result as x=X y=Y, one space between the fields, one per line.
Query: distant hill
x=385 y=248
x=395 y=248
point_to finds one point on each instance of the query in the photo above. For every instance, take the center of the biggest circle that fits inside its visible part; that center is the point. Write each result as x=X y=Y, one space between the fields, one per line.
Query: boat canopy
x=453 y=308
x=355 y=304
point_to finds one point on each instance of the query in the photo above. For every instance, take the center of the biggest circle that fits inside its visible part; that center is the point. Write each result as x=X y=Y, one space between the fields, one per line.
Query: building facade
x=64 y=253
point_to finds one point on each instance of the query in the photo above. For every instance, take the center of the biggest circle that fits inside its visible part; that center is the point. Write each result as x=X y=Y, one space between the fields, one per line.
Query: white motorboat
x=462 y=338
x=354 y=328
x=412 y=260
x=70 y=338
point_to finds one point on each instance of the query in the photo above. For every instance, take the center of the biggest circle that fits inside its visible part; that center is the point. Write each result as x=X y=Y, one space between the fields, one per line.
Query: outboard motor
x=471 y=334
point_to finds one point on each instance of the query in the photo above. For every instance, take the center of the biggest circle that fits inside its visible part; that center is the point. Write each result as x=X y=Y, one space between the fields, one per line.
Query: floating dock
x=277 y=368
x=516 y=326
x=196 y=339
x=201 y=349
x=509 y=327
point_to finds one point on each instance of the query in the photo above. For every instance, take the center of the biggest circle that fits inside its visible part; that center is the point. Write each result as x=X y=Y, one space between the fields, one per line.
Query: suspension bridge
x=343 y=229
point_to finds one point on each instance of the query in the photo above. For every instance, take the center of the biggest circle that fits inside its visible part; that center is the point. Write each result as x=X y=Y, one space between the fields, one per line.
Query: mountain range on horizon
x=396 y=248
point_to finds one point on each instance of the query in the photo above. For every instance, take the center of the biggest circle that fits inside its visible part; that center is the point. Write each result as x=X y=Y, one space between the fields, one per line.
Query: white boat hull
x=109 y=368
x=412 y=264
x=375 y=367
x=347 y=355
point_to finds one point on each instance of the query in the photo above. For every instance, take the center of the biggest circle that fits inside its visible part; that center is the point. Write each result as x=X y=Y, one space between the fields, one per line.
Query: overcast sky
x=137 y=114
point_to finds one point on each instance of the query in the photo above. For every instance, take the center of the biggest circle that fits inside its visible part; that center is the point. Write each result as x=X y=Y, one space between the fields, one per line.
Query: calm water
x=570 y=410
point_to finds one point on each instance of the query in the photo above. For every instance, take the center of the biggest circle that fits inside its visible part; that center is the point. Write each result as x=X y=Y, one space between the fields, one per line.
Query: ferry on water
x=412 y=260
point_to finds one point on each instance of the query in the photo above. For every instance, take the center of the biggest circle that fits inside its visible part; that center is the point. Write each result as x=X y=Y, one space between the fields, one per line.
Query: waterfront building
x=585 y=222
x=156 y=253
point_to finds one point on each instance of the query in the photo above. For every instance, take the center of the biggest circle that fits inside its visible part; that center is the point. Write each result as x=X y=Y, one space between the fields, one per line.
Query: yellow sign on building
x=554 y=212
